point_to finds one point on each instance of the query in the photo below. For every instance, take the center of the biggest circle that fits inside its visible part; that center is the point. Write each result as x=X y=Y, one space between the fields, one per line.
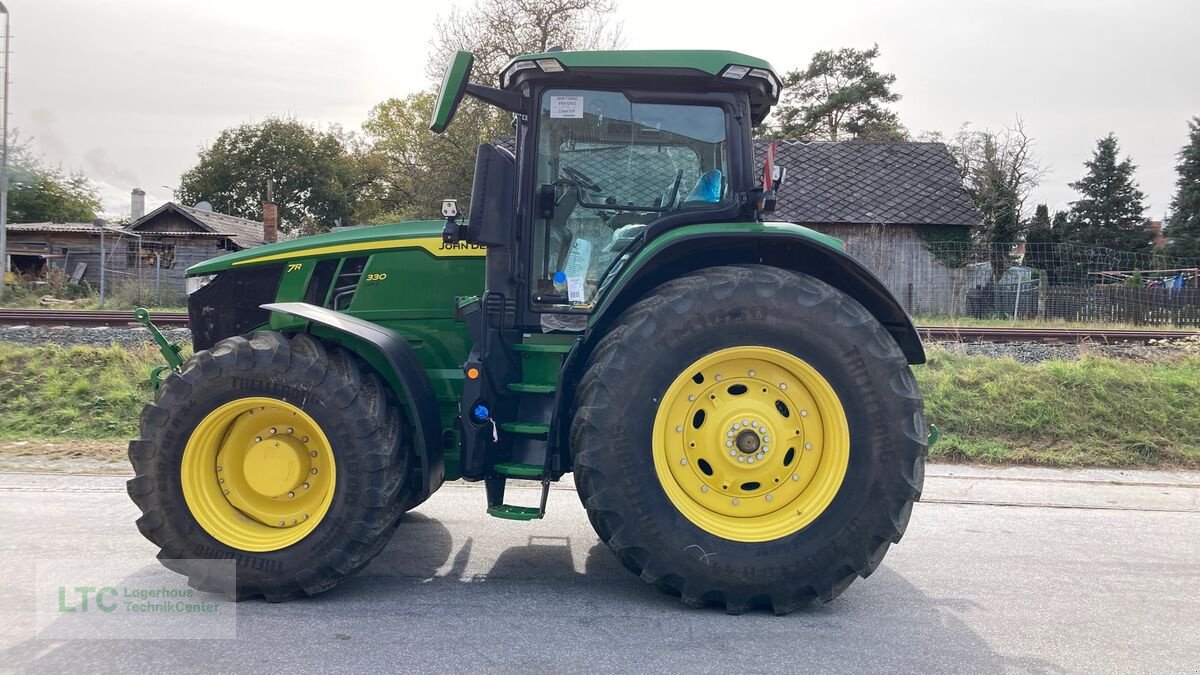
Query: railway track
x=84 y=318
x=87 y=318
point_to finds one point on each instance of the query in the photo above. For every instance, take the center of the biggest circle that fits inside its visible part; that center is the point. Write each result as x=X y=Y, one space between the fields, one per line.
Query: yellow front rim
x=751 y=443
x=258 y=474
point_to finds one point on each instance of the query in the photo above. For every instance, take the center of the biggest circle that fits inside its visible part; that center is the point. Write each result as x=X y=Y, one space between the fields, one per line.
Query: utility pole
x=4 y=162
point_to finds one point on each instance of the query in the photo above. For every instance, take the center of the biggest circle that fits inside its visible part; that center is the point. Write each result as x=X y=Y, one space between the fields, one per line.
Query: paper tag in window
x=575 y=289
x=576 y=269
x=569 y=107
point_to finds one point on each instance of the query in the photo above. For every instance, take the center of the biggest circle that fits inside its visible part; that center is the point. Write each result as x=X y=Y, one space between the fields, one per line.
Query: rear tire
x=653 y=514
x=331 y=396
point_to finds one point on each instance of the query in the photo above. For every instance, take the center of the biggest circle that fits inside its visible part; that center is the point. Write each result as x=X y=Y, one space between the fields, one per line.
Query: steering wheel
x=579 y=177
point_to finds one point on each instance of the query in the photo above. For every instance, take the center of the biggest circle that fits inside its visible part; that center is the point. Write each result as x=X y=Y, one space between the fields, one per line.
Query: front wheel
x=276 y=452
x=749 y=436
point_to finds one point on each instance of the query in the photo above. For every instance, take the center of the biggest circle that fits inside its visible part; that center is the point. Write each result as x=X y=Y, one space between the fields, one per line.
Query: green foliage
x=320 y=177
x=948 y=244
x=42 y=194
x=840 y=94
x=1109 y=212
x=419 y=168
x=1183 y=226
x=1090 y=412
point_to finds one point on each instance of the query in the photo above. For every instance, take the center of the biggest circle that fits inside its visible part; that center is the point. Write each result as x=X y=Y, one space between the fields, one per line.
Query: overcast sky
x=129 y=90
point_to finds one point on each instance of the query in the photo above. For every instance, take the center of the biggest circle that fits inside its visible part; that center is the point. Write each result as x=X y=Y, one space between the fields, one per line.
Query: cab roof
x=732 y=69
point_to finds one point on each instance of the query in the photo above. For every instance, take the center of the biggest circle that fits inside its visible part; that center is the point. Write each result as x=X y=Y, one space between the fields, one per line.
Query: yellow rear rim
x=751 y=443
x=258 y=474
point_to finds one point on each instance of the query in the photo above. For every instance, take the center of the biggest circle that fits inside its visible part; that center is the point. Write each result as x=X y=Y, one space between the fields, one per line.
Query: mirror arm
x=505 y=100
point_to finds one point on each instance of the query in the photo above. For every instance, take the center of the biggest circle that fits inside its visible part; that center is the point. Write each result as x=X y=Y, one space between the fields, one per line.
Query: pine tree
x=1110 y=212
x=1183 y=227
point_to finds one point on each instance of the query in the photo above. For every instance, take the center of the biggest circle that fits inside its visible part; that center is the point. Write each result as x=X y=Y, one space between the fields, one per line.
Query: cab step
x=527 y=428
x=542 y=348
x=495 y=494
x=526 y=388
x=509 y=512
x=520 y=470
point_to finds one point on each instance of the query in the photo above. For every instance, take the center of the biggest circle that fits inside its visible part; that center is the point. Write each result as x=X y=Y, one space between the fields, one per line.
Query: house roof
x=245 y=233
x=80 y=228
x=869 y=183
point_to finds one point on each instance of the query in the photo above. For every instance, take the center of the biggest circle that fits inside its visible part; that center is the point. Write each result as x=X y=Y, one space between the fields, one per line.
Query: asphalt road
x=1011 y=571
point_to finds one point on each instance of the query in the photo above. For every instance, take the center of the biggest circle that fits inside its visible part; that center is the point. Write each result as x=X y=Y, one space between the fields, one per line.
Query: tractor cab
x=611 y=149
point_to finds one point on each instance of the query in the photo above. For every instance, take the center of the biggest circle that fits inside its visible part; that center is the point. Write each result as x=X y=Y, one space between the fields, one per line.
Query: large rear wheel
x=277 y=452
x=749 y=436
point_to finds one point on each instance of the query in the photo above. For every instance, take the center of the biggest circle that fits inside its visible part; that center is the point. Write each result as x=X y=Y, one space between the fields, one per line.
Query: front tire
x=748 y=436
x=276 y=452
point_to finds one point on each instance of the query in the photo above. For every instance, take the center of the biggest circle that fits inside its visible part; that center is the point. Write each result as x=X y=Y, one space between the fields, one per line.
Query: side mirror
x=454 y=85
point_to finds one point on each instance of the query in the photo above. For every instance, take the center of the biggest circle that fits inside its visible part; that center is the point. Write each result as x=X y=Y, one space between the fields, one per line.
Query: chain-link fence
x=1027 y=281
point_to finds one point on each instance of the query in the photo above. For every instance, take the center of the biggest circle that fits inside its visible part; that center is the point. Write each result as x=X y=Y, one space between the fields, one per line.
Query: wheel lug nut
x=704 y=488
x=759 y=455
x=795 y=477
x=314 y=470
x=729 y=434
x=258 y=439
x=272 y=430
x=227 y=492
x=683 y=461
x=218 y=468
x=729 y=444
x=741 y=459
x=291 y=494
x=281 y=523
x=220 y=480
x=751 y=373
x=770 y=497
x=754 y=424
x=678 y=428
x=304 y=439
x=804 y=413
x=719 y=378
x=290 y=430
x=744 y=423
x=766 y=438
x=733 y=453
x=782 y=385
x=305 y=486
x=736 y=501
x=808 y=446
x=750 y=461
x=691 y=397
x=736 y=426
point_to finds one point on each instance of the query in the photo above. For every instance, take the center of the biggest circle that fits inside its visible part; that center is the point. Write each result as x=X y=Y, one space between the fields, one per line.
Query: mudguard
x=387 y=351
x=783 y=245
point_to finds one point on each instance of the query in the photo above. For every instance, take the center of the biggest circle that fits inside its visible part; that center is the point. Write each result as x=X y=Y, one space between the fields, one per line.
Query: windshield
x=606 y=167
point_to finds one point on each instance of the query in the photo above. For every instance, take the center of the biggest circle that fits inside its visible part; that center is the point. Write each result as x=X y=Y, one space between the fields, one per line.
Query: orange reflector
x=472 y=373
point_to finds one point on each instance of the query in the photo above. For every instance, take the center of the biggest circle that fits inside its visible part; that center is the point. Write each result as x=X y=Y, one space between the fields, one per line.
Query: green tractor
x=733 y=396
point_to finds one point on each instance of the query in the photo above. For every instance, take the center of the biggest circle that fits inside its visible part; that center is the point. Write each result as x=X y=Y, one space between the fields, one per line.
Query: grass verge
x=1095 y=411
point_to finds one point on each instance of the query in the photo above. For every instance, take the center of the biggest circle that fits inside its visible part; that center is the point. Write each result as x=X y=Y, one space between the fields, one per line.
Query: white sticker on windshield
x=570 y=107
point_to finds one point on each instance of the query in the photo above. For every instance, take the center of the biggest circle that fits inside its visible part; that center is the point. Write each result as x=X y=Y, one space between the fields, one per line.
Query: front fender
x=397 y=362
x=783 y=245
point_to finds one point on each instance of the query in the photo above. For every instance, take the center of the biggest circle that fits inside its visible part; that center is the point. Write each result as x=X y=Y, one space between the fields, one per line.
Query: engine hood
x=425 y=234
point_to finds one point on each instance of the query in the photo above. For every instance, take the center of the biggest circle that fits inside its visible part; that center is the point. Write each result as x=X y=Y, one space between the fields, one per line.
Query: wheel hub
x=258 y=474
x=751 y=443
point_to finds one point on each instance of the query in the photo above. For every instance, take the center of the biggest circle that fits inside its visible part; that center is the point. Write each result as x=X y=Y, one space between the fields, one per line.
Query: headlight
x=194 y=284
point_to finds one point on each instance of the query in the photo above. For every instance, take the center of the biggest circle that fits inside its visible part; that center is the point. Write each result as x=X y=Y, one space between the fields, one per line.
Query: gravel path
x=67 y=336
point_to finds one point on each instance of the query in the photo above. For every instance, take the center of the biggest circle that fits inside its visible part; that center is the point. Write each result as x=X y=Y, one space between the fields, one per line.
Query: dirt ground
x=101 y=457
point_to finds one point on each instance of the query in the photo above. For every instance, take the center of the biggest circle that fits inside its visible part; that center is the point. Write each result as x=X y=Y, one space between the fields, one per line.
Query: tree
x=1109 y=212
x=839 y=94
x=1183 y=225
x=420 y=168
x=41 y=194
x=319 y=177
x=495 y=31
x=999 y=170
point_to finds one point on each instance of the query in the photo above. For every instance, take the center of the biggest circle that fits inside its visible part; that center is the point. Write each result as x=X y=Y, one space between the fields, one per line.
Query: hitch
x=170 y=352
